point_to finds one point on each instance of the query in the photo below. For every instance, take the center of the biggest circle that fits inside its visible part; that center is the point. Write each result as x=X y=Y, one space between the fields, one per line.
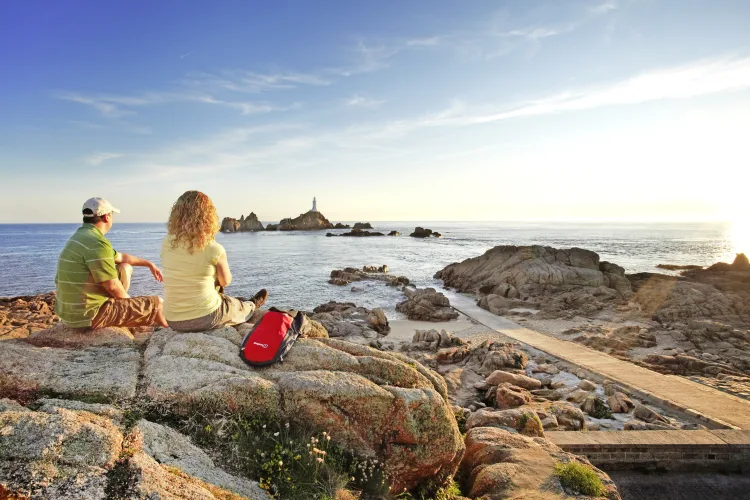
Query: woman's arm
x=223 y=274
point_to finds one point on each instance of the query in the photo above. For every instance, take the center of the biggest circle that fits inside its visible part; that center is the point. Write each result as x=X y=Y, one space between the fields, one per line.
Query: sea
x=295 y=266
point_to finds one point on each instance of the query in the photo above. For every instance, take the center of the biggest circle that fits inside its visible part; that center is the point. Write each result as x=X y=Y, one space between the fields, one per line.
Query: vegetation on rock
x=579 y=479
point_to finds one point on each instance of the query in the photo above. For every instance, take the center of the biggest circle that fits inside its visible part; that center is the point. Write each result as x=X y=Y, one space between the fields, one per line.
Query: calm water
x=294 y=267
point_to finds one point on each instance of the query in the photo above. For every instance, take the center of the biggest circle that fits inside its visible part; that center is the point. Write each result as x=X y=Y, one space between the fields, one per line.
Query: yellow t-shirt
x=189 y=290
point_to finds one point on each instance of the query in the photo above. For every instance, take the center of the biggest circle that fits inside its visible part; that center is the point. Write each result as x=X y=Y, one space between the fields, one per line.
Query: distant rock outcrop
x=249 y=223
x=309 y=221
x=357 y=232
x=394 y=233
x=420 y=232
x=362 y=225
x=339 y=225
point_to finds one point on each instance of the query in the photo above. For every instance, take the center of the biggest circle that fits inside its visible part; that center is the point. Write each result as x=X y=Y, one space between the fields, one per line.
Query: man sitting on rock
x=92 y=278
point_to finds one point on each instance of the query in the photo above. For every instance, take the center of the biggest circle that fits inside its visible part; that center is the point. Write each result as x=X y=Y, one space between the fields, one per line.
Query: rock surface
x=373 y=403
x=498 y=464
x=426 y=305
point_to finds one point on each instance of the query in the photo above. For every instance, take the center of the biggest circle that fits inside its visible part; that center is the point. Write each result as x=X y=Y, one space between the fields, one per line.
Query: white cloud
x=96 y=159
x=252 y=82
x=362 y=101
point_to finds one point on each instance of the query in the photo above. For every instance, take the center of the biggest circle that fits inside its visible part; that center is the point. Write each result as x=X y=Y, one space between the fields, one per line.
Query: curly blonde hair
x=193 y=221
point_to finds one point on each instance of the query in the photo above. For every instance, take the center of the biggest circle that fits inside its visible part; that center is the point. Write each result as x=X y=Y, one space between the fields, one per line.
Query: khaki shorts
x=231 y=312
x=136 y=311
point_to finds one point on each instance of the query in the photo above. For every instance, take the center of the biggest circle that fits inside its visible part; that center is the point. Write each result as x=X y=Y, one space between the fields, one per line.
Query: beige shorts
x=133 y=312
x=231 y=312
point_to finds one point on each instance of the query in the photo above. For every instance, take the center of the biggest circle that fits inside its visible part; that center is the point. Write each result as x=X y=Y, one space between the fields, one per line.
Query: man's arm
x=223 y=274
x=115 y=289
x=123 y=258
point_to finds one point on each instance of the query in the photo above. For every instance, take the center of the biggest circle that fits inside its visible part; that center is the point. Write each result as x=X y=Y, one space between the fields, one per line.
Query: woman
x=195 y=266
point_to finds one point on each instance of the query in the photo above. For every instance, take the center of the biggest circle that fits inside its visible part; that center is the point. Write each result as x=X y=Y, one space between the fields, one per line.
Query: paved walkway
x=715 y=407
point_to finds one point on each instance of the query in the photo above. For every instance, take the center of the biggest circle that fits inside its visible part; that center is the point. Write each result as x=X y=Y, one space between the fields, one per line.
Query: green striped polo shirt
x=86 y=260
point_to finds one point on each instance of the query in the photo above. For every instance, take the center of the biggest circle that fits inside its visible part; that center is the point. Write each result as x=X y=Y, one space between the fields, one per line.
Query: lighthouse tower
x=315 y=205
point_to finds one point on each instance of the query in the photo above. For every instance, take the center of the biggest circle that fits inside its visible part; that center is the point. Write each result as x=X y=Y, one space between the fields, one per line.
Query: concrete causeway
x=715 y=408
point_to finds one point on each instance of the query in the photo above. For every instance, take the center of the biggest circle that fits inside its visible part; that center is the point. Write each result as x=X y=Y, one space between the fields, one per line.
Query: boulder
x=426 y=305
x=499 y=464
x=394 y=233
x=587 y=385
x=559 y=279
x=499 y=377
x=620 y=403
x=373 y=403
x=646 y=414
x=522 y=420
x=508 y=396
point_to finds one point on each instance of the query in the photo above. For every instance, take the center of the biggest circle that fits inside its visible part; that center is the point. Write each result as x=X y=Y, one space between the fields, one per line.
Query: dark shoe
x=259 y=298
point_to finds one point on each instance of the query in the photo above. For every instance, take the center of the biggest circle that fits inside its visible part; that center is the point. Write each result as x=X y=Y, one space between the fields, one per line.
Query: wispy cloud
x=681 y=82
x=186 y=54
x=117 y=106
x=363 y=101
x=96 y=159
x=252 y=82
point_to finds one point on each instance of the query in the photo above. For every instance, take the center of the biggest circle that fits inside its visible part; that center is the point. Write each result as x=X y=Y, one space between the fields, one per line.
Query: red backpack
x=270 y=340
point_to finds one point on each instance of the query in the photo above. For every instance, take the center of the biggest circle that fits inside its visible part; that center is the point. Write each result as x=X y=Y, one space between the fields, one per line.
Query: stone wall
x=717 y=450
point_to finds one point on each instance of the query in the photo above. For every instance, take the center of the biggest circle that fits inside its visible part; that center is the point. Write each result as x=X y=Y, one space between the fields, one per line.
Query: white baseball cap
x=98 y=206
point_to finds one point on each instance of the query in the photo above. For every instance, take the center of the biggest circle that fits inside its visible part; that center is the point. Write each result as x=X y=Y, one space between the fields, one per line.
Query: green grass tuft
x=579 y=479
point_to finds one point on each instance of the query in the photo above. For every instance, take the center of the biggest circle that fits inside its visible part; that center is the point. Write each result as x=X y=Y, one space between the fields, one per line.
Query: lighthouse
x=315 y=205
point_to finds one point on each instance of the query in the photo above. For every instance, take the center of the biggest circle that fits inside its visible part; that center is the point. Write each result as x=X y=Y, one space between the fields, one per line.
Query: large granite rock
x=70 y=449
x=93 y=373
x=378 y=405
x=249 y=223
x=560 y=279
x=426 y=305
x=499 y=464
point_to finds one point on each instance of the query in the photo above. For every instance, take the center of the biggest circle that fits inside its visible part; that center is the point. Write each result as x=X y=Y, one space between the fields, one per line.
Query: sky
x=390 y=110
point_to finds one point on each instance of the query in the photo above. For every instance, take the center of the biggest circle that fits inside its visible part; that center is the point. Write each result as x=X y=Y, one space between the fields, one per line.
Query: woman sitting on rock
x=195 y=269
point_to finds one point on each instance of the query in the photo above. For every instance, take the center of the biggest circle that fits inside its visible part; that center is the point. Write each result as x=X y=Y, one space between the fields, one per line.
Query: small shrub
x=601 y=410
x=448 y=492
x=579 y=479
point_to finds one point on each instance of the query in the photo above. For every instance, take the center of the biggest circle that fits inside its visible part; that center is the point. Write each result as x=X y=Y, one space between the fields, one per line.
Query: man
x=92 y=278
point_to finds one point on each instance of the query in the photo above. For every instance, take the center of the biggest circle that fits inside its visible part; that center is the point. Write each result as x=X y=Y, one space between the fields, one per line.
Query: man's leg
x=124 y=273
x=137 y=311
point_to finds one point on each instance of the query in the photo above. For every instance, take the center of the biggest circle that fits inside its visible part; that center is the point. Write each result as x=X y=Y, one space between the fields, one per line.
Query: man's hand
x=137 y=261
x=156 y=272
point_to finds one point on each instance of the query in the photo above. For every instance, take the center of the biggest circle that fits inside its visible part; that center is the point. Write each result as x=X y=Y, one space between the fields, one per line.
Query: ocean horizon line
x=425 y=222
